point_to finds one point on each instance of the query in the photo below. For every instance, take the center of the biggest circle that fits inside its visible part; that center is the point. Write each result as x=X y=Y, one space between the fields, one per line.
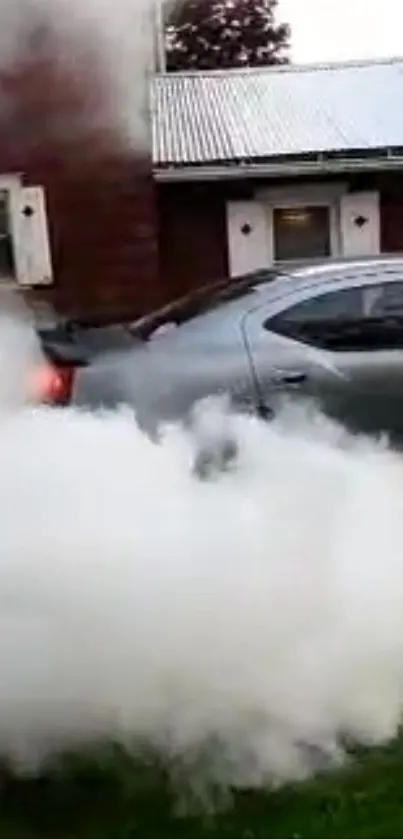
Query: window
x=301 y=232
x=353 y=319
x=389 y=301
x=334 y=305
x=7 y=268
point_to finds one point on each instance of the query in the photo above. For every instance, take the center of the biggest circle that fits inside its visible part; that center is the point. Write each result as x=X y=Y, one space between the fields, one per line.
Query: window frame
x=298 y=202
x=306 y=205
x=348 y=284
x=12 y=185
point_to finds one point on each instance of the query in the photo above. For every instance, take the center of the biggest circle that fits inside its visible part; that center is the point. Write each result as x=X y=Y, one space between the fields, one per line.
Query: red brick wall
x=192 y=236
x=392 y=223
x=56 y=129
x=103 y=233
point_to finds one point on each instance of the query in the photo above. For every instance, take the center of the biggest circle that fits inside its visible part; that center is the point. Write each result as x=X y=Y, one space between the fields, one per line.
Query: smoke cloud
x=254 y=617
x=81 y=64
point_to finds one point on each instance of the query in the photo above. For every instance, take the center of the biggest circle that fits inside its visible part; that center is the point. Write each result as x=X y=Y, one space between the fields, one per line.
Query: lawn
x=108 y=797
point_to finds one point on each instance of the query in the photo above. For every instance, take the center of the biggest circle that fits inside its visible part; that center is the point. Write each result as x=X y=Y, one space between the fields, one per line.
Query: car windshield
x=196 y=303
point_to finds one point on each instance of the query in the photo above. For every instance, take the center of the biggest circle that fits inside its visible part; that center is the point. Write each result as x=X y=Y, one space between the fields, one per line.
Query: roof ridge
x=283 y=68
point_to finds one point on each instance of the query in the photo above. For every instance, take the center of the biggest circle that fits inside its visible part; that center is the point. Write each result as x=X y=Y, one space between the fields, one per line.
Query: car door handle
x=293 y=379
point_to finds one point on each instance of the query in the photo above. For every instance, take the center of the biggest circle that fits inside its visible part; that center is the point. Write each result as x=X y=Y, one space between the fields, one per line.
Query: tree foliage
x=212 y=34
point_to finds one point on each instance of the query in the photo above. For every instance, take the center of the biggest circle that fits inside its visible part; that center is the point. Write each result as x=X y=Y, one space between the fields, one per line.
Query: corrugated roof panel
x=255 y=114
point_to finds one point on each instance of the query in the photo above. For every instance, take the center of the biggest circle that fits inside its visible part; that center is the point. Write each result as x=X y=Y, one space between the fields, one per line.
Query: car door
x=340 y=346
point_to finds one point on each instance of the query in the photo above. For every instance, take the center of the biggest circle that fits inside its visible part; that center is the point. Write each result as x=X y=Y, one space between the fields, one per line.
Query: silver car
x=330 y=332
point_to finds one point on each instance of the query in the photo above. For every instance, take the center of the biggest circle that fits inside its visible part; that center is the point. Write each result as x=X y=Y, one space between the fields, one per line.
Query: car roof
x=343 y=269
x=265 y=287
x=310 y=277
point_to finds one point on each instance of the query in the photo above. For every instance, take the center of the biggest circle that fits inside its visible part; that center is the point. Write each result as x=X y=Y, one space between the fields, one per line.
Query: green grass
x=107 y=796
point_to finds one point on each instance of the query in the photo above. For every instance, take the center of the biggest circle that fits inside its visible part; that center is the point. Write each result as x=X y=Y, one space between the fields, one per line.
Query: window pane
x=6 y=249
x=389 y=300
x=301 y=233
x=329 y=321
x=334 y=305
x=369 y=318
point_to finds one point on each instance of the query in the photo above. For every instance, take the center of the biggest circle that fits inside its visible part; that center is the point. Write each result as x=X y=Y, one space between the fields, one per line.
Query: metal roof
x=236 y=115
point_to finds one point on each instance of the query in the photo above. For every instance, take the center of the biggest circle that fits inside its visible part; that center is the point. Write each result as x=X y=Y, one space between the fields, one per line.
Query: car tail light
x=52 y=384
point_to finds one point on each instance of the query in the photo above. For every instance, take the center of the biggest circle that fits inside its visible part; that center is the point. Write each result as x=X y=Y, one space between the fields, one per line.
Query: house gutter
x=319 y=166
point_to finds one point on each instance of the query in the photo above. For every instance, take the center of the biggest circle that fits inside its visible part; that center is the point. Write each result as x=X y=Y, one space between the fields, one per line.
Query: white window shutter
x=248 y=237
x=360 y=224
x=32 y=247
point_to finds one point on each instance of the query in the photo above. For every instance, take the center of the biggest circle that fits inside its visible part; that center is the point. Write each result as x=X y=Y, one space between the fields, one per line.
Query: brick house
x=249 y=168
x=255 y=167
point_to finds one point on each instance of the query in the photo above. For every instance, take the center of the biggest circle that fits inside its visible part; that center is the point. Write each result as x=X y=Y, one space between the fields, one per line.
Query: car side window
x=389 y=301
x=356 y=319
x=321 y=321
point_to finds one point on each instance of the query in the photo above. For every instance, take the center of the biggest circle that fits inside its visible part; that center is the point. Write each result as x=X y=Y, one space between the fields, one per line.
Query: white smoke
x=19 y=351
x=118 y=37
x=260 y=610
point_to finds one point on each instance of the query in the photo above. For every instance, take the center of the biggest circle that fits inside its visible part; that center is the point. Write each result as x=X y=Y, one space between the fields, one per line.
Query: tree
x=212 y=34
